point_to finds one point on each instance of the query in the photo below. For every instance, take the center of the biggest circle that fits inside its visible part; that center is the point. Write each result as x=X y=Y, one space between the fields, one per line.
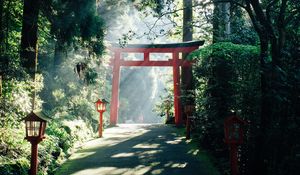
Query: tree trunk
x=258 y=157
x=0 y=84
x=221 y=22
x=1 y=28
x=265 y=110
x=29 y=36
x=29 y=51
x=187 y=35
x=226 y=8
x=7 y=24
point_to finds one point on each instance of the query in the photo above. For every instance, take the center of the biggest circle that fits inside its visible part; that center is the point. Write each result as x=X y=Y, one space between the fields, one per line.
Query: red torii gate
x=146 y=49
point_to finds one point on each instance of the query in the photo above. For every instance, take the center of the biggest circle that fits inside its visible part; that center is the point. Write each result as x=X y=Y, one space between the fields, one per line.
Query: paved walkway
x=133 y=149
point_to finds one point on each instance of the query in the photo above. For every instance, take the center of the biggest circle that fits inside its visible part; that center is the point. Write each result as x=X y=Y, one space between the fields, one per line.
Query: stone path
x=134 y=149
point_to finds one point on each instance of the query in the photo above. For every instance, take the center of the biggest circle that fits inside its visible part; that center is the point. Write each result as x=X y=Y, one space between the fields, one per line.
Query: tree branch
x=281 y=13
x=255 y=23
x=280 y=24
x=255 y=4
x=268 y=9
x=220 y=1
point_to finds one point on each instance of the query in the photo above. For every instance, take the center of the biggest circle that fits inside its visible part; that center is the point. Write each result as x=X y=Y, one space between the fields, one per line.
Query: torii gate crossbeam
x=146 y=49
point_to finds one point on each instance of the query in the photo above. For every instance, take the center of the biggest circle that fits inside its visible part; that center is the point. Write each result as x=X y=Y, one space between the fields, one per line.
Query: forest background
x=250 y=65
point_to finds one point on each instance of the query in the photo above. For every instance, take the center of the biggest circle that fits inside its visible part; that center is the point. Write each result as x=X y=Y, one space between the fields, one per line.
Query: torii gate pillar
x=115 y=90
x=176 y=81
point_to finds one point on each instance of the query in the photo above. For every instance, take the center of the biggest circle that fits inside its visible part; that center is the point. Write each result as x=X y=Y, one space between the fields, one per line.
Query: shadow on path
x=136 y=149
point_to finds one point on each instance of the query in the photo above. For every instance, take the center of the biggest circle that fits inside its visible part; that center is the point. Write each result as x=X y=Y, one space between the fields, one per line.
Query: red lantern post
x=101 y=108
x=35 y=129
x=188 y=109
x=233 y=127
x=167 y=108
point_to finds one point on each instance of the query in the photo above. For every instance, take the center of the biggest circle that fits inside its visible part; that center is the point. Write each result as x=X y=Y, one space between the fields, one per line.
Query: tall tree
x=187 y=26
x=1 y=42
x=74 y=23
x=270 y=19
x=187 y=35
x=29 y=34
x=221 y=21
x=1 y=26
x=29 y=38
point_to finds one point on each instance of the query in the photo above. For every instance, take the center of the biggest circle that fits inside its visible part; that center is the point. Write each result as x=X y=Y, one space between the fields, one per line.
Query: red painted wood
x=148 y=63
x=34 y=161
x=152 y=63
x=234 y=159
x=176 y=81
x=156 y=50
x=146 y=56
x=229 y=131
x=100 y=129
x=115 y=90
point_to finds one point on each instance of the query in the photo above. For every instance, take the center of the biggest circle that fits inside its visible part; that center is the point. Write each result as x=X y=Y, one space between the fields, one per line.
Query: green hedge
x=227 y=79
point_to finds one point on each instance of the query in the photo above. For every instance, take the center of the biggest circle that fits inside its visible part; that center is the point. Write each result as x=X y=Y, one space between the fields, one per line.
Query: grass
x=195 y=150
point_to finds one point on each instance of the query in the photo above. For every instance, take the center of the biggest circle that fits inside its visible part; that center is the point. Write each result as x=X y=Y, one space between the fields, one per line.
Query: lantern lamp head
x=35 y=124
x=101 y=105
x=233 y=127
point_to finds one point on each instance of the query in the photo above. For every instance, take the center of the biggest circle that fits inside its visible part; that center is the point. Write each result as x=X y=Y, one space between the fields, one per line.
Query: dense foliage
x=228 y=79
x=64 y=95
x=260 y=82
x=274 y=85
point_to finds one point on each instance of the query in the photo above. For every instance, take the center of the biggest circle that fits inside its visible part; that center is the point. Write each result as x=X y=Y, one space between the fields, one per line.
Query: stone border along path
x=135 y=149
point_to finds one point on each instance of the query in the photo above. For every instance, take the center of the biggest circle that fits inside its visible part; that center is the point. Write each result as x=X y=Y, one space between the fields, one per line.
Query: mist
x=140 y=87
x=140 y=90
